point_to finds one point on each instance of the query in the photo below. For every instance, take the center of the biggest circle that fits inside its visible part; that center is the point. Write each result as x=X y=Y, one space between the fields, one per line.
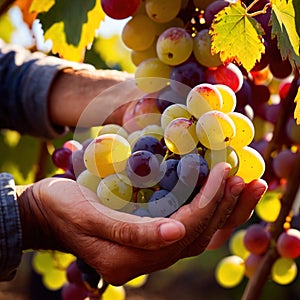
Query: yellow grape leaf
x=72 y=26
x=297 y=109
x=114 y=53
x=237 y=37
x=6 y=28
x=39 y=6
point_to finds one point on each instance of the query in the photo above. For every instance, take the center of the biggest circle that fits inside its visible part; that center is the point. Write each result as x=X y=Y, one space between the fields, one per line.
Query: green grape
x=114 y=292
x=153 y=130
x=230 y=271
x=139 y=32
x=236 y=244
x=180 y=136
x=227 y=154
x=133 y=137
x=115 y=191
x=152 y=75
x=202 y=50
x=251 y=164
x=162 y=11
x=228 y=98
x=174 y=46
x=143 y=195
x=284 y=271
x=139 y=56
x=244 y=130
x=172 y=112
x=54 y=279
x=269 y=206
x=161 y=27
x=113 y=128
x=202 y=98
x=89 y=180
x=215 y=130
x=107 y=154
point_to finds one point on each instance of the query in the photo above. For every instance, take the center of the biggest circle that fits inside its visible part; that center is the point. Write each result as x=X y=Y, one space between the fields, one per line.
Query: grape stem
x=257 y=281
x=259 y=12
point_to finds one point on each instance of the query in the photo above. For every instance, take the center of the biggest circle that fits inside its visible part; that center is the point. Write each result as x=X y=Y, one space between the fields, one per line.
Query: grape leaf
x=284 y=27
x=39 y=6
x=237 y=37
x=297 y=109
x=296 y=4
x=71 y=25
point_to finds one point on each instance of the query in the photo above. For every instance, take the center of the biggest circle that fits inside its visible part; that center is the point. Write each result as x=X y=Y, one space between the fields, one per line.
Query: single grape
x=73 y=291
x=89 y=180
x=153 y=130
x=162 y=11
x=115 y=191
x=244 y=133
x=170 y=177
x=284 y=271
x=162 y=203
x=113 y=128
x=257 y=239
x=152 y=75
x=60 y=157
x=76 y=162
x=252 y=262
x=230 y=271
x=192 y=170
x=73 y=273
x=228 y=98
x=173 y=112
x=143 y=169
x=293 y=131
x=215 y=130
x=213 y=9
x=107 y=154
x=139 y=32
x=180 y=136
x=150 y=144
x=236 y=244
x=288 y=243
x=202 y=50
x=139 y=56
x=120 y=9
x=228 y=155
x=202 y=98
x=73 y=145
x=284 y=162
x=174 y=46
x=251 y=164
x=185 y=76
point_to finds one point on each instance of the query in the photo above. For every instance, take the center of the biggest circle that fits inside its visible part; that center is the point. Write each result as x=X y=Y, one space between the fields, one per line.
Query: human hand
x=60 y=214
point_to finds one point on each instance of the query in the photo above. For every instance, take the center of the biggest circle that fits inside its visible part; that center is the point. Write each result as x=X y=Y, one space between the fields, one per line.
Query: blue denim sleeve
x=10 y=229
x=25 y=81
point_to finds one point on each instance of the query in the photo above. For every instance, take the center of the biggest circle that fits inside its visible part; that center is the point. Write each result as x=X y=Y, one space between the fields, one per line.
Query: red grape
x=288 y=243
x=120 y=9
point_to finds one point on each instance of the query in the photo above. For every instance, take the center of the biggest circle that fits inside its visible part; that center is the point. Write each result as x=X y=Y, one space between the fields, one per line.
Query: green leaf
x=237 y=37
x=296 y=4
x=284 y=28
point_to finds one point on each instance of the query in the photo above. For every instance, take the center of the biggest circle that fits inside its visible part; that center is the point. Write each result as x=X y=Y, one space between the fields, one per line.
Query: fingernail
x=171 y=231
x=258 y=193
x=237 y=188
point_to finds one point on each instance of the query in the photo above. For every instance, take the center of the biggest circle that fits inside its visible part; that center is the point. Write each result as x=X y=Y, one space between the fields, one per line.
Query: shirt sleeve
x=10 y=229
x=25 y=81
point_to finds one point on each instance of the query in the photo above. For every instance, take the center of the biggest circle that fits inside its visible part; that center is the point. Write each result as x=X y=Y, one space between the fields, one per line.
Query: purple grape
x=143 y=169
x=73 y=273
x=212 y=9
x=192 y=170
x=148 y=143
x=186 y=76
x=73 y=291
x=60 y=157
x=170 y=177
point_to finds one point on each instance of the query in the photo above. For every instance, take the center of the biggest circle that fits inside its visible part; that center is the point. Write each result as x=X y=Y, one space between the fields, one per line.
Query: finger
x=221 y=214
x=219 y=238
x=247 y=201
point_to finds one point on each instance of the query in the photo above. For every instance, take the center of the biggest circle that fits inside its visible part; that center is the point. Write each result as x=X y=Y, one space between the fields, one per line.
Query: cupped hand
x=60 y=214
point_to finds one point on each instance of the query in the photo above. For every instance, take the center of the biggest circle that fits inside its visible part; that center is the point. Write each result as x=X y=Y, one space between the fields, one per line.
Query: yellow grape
x=284 y=271
x=115 y=191
x=139 y=32
x=107 y=154
x=113 y=128
x=202 y=98
x=138 y=281
x=54 y=279
x=180 y=136
x=42 y=261
x=228 y=98
x=162 y=11
x=230 y=271
x=269 y=206
x=89 y=180
x=251 y=164
x=153 y=130
x=152 y=75
x=236 y=244
x=161 y=27
x=172 y=112
x=215 y=130
x=244 y=130
x=114 y=292
x=133 y=137
x=139 y=56
x=227 y=154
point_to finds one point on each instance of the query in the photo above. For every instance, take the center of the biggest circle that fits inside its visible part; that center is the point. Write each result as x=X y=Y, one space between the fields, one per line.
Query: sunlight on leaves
x=297 y=109
x=237 y=37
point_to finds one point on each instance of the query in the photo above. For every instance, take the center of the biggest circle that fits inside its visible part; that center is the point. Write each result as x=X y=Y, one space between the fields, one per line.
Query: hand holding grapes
x=60 y=214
